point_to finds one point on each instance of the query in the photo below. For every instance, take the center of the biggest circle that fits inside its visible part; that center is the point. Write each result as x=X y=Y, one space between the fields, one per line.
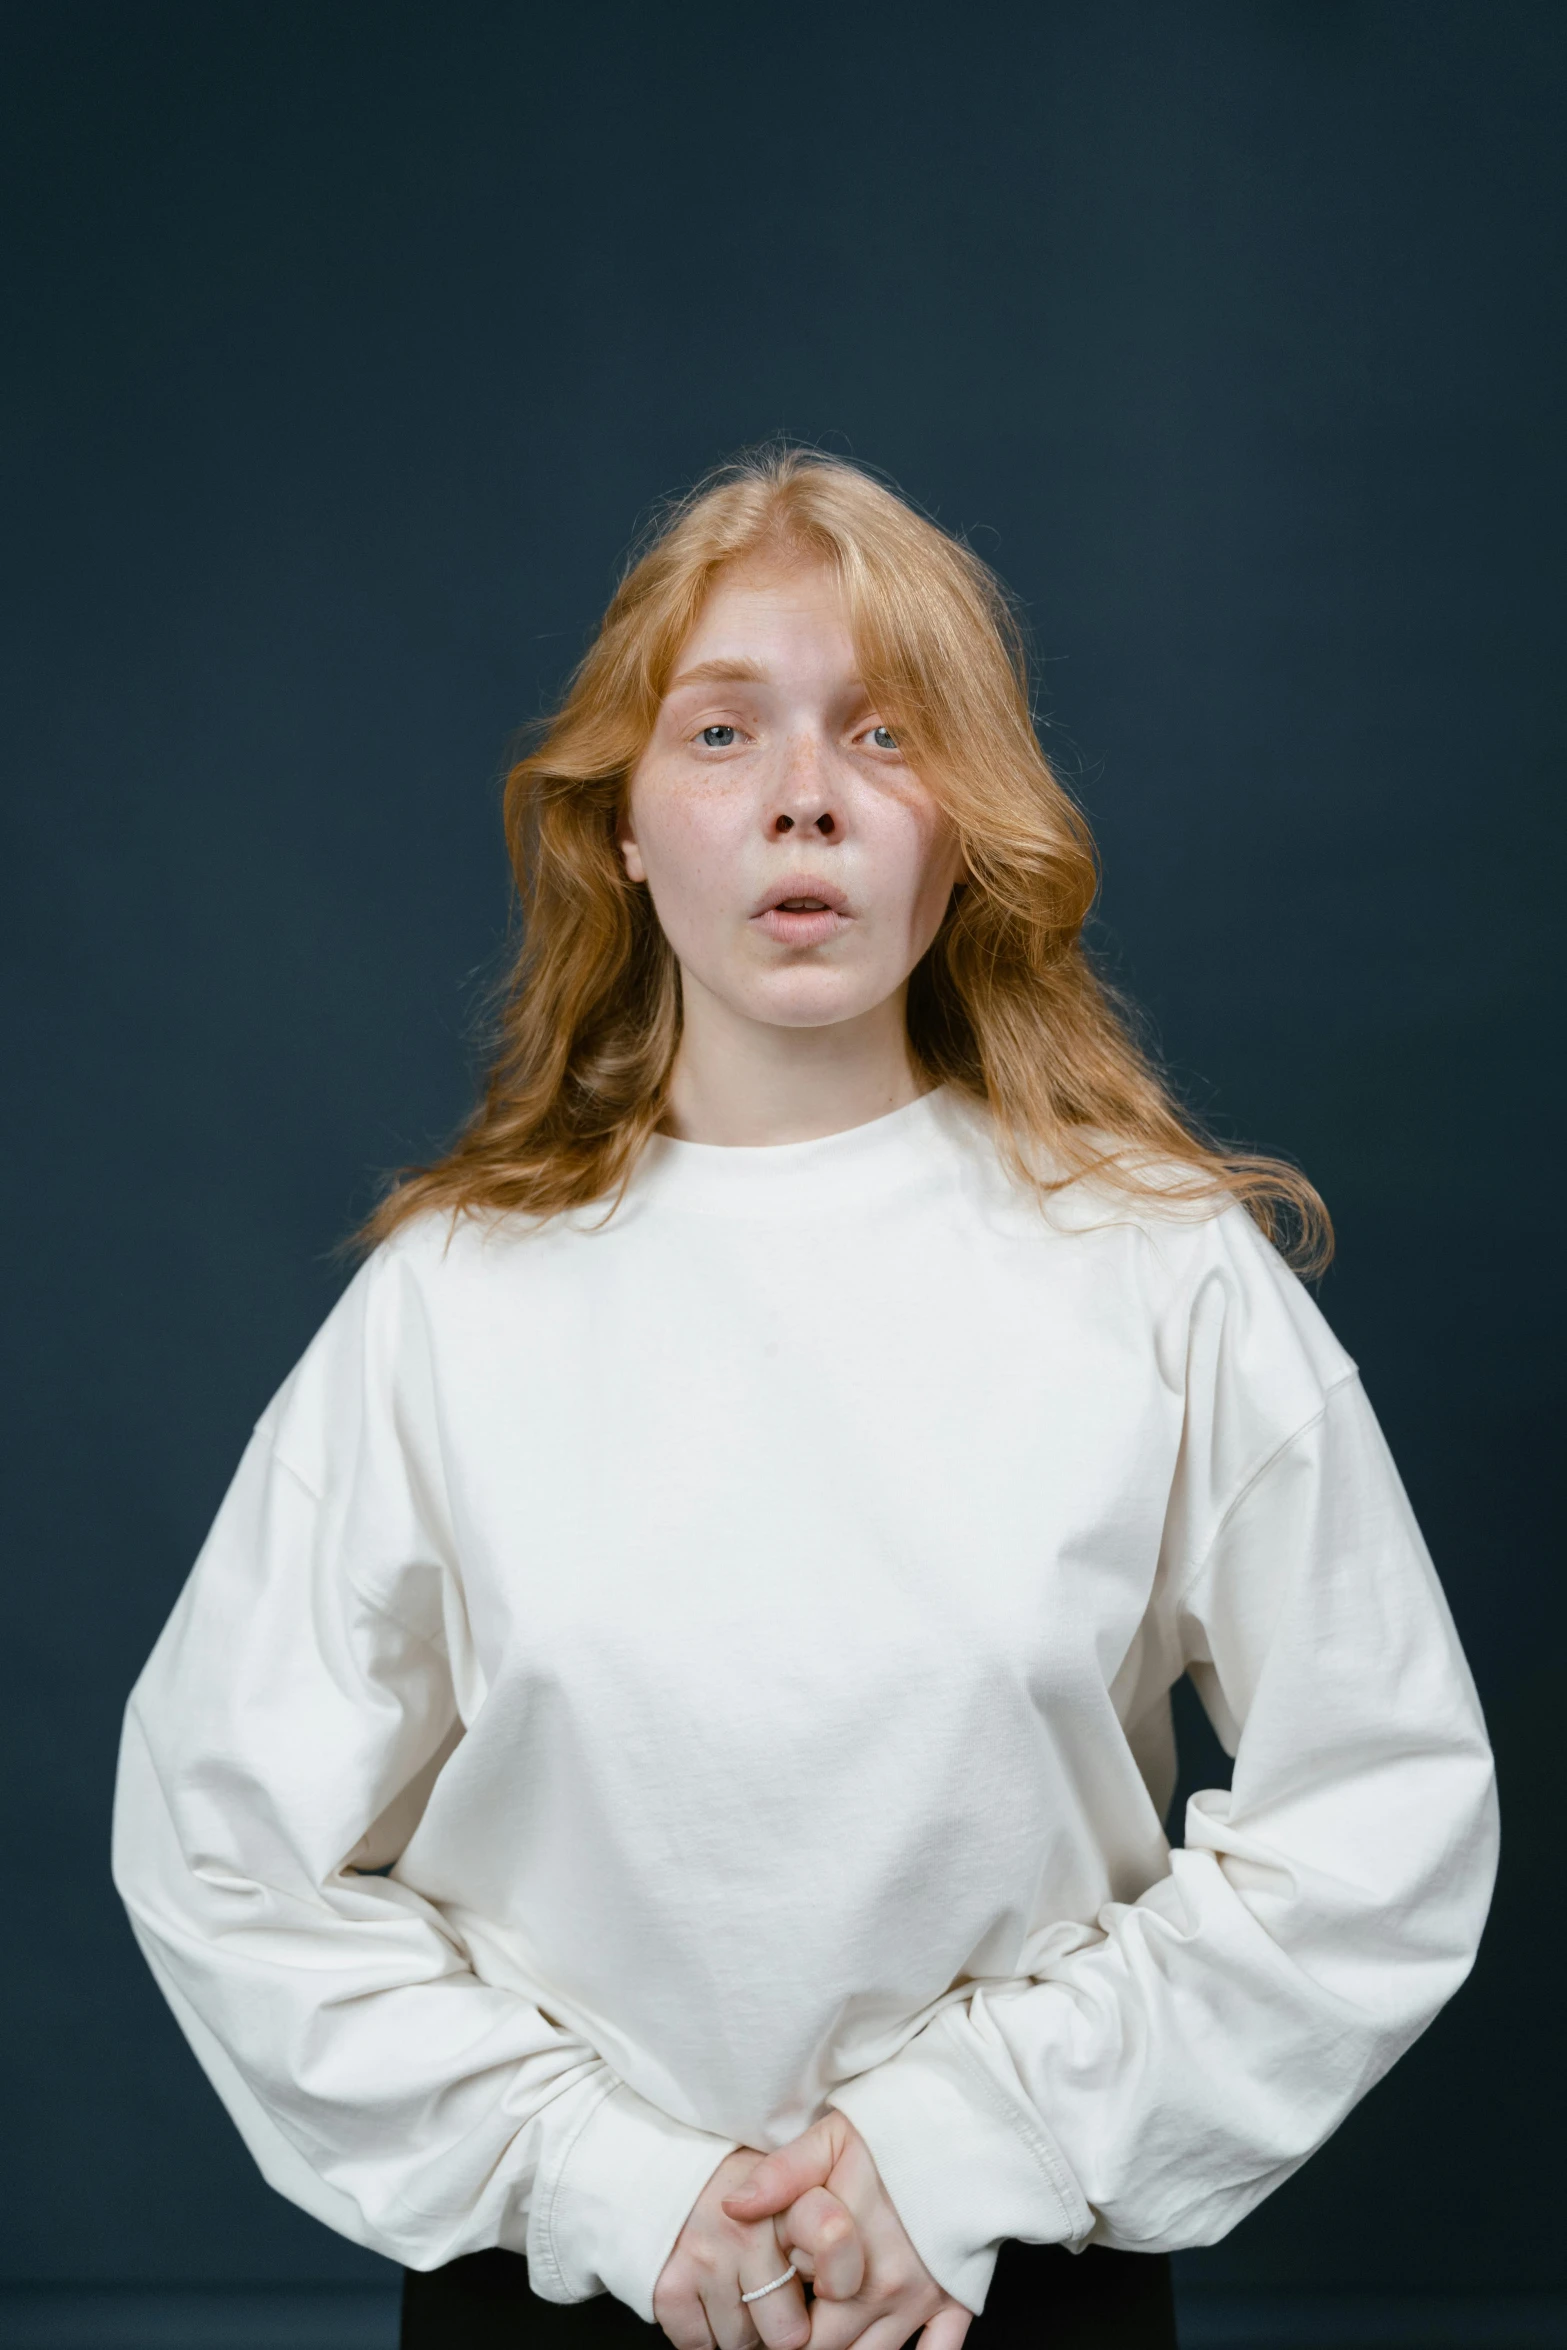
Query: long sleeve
x=511 y=1844
x=1156 y=2082
x=278 y=1749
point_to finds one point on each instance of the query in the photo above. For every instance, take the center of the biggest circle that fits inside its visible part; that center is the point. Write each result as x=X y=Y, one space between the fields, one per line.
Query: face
x=798 y=866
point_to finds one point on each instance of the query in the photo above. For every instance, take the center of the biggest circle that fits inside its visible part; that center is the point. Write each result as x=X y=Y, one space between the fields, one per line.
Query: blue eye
x=884 y=738
x=718 y=738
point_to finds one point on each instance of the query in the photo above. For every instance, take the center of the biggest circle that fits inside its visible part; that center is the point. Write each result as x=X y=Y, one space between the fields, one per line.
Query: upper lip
x=803 y=885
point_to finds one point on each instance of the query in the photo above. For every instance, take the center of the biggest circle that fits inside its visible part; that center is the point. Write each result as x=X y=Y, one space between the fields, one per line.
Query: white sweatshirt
x=746 y=1631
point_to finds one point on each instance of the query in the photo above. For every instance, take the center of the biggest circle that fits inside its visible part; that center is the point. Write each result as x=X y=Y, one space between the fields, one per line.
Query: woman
x=653 y=1793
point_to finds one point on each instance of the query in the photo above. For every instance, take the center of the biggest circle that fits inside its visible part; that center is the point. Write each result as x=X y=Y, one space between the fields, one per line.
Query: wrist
x=612 y=2199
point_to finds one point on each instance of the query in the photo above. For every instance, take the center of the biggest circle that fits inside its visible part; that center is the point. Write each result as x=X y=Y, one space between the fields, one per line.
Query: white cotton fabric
x=742 y=1634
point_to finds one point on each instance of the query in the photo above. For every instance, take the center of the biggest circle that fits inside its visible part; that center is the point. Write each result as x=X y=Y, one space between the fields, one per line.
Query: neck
x=749 y=1082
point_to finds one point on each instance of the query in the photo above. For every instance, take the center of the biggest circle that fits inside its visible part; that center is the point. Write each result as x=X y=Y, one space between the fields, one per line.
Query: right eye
x=718 y=738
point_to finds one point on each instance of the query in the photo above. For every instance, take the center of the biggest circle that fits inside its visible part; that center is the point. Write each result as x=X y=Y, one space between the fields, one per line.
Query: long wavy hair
x=1004 y=1006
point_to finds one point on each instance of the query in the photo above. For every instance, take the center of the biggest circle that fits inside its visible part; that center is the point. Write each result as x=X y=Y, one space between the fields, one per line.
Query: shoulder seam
x=274 y=1449
x=377 y=1605
x=1254 y=1478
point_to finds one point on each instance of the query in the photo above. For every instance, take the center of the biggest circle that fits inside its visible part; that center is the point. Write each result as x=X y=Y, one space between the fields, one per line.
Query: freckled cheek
x=909 y=856
x=692 y=843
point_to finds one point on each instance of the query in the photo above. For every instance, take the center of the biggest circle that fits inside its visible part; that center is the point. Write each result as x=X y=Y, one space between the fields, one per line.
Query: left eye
x=884 y=738
x=718 y=738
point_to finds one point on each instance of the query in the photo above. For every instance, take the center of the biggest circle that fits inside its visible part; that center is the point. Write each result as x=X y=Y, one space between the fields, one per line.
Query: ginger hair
x=1005 y=1006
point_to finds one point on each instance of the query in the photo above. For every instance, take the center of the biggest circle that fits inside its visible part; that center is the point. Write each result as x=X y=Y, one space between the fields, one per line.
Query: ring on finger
x=761 y=2291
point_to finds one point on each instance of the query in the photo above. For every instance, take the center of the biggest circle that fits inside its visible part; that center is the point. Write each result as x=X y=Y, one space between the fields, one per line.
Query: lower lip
x=801 y=930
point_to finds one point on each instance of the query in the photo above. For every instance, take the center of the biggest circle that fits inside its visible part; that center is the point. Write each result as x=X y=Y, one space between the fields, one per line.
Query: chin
x=807 y=1000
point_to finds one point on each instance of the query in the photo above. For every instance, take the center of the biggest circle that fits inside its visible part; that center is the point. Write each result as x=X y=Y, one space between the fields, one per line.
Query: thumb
x=782 y=2178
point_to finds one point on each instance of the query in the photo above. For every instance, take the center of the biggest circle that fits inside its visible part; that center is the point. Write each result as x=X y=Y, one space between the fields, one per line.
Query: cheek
x=920 y=860
x=689 y=839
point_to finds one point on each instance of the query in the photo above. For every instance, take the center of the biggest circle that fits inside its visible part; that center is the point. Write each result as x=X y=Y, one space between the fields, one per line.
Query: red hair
x=1004 y=1006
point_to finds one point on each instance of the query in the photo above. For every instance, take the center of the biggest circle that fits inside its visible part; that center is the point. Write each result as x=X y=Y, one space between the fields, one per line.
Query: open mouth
x=801 y=921
x=803 y=913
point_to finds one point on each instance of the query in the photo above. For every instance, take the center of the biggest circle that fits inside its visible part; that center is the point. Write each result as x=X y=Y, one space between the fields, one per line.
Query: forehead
x=774 y=615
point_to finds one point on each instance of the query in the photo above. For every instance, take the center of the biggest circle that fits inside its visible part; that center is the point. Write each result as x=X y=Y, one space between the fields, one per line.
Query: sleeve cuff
x=964 y=2158
x=611 y=2200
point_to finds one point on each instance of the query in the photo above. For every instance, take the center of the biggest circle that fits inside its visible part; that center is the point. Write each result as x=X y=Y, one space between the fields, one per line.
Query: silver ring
x=790 y=2271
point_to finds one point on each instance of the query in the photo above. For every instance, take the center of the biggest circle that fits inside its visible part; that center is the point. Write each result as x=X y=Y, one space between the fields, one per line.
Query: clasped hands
x=819 y=2203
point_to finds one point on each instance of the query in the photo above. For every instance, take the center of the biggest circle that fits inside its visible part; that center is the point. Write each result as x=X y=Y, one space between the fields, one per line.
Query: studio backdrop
x=348 y=347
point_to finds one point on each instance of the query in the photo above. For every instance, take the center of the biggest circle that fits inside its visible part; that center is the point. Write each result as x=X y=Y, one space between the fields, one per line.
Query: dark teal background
x=346 y=346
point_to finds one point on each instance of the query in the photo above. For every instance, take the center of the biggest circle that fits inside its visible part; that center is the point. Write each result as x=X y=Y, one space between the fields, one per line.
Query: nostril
x=824 y=823
x=785 y=824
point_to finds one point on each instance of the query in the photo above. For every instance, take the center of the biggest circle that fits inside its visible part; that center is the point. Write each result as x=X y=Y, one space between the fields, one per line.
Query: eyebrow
x=734 y=672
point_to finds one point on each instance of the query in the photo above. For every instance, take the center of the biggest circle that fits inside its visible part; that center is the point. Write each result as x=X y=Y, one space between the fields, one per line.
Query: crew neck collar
x=863 y=1162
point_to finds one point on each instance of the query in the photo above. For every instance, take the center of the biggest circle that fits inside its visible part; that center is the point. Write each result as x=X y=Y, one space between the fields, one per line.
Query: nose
x=804 y=798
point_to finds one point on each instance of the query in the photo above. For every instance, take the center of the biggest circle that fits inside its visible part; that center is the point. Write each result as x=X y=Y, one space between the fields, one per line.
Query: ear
x=626 y=842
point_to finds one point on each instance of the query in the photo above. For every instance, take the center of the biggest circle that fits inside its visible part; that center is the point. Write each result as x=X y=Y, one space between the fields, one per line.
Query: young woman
x=653 y=1795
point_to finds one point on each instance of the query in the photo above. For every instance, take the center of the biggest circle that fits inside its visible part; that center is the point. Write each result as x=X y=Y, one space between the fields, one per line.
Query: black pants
x=1040 y=2295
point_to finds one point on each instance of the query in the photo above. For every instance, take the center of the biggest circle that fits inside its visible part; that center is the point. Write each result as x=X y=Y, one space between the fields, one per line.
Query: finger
x=684 y=2320
x=782 y=2178
x=781 y=2319
x=888 y=2331
x=738 y=2324
x=872 y=2322
x=837 y=2324
x=729 y=2318
x=818 y=2229
x=947 y=2328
